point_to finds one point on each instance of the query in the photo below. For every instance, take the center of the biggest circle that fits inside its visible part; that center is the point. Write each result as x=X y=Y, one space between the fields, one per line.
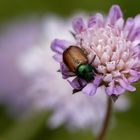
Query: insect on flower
x=76 y=60
x=116 y=45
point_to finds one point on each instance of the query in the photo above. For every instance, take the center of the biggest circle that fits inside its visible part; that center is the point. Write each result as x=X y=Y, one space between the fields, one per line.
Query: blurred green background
x=33 y=128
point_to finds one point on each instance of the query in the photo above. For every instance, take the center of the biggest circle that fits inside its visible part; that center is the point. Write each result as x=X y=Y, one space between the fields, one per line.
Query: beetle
x=77 y=62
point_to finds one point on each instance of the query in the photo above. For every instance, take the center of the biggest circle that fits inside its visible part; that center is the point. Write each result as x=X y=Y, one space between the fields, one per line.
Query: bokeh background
x=33 y=127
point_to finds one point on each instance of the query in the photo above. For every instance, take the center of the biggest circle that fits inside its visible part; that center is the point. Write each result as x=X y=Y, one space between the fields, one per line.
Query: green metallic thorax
x=85 y=71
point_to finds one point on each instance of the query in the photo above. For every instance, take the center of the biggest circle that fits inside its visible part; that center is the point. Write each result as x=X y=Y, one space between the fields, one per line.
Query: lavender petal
x=136 y=34
x=110 y=89
x=77 y=83
x=136 y=27
x=78 y=25
x=58 y=57
x=96 y=20
x=91 y=88
x=114 y=14
x=137 y=21
x=129 y=27
x=134 y=76
x=65 y=71
x=59 y=46
x=126 y=85
x=118 y=90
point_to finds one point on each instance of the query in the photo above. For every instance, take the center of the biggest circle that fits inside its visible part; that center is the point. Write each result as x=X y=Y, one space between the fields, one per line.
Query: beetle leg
x=94 y=70
x=71 y=74
x=59 y=70
x=76 y=90
x=73 y=34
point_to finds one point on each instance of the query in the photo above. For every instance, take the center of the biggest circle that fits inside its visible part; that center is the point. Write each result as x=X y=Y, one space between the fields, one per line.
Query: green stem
x=104 y=129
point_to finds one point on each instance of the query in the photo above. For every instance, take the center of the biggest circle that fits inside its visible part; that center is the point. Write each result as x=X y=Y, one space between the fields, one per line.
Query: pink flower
x=50 y=92
x=115 y=46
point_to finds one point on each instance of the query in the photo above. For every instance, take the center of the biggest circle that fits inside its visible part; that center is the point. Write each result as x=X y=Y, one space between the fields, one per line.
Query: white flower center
x=114 y=53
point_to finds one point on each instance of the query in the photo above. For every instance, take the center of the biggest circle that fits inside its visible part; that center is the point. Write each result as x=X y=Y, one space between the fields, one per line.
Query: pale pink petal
x=108 y=78
x=120 y=65
x=105 y=58
x=110 y=66
x=101 y=69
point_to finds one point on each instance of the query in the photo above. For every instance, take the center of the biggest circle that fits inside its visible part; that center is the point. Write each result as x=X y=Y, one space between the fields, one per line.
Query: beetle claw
x=59 y=70
x=76 y=90
x=114 y=97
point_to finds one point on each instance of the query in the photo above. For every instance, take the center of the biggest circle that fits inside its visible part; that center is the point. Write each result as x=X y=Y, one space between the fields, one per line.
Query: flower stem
x=104 y=129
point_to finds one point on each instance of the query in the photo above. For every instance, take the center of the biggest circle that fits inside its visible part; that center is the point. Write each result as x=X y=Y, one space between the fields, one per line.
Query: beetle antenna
x=81 y=43
x=92 y=59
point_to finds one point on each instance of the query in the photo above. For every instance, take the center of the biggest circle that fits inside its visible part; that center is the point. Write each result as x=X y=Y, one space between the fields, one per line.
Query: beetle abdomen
x=73 y=57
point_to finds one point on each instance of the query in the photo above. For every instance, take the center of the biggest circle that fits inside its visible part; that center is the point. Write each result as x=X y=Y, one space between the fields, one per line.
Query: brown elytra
x=73 y=57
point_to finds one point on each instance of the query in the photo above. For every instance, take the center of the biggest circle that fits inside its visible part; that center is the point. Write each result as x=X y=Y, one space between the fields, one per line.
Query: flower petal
x=110 y=89
x=136 y=34
x=58 y=57
x=108 y=78
x=134 y=76
x=126 y=85
x=132 y=79
x=77 y=83
x=137 y=21
x=114 y=14
x=65 y=71
x=96 y=20
x=136 y=27
x=91 y=88
x=59 y=46
x=128 y=27
x=118 y=90
x=110 y=66
x=78 y=25
x=119 y=23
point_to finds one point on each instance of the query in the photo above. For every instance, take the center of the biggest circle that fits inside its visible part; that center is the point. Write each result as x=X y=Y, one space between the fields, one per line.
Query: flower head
x=27 y=78
x=50 y=92
x=111 y=47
